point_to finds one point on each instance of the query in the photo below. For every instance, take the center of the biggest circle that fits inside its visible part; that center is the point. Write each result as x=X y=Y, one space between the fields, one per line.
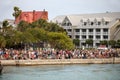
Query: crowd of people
x=13 y=54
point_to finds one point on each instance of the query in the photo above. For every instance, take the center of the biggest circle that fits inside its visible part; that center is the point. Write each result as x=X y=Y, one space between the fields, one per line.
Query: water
x=63 y=72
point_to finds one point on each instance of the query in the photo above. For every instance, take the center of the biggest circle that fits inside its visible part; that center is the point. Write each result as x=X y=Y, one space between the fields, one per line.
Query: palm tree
x=118 y=43
x=5 y=25
x=112 y=43
x=104 y=42
x=17 y=12
x=89 y=42
x=76 y=42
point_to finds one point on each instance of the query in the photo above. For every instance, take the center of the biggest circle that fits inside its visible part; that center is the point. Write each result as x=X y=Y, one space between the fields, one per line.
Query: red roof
x=31 y=16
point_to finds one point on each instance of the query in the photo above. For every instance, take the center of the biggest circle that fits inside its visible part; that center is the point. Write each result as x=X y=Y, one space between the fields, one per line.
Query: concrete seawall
x=59 y=61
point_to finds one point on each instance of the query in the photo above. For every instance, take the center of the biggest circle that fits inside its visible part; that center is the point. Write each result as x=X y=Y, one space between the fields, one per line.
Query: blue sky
x=58 y=7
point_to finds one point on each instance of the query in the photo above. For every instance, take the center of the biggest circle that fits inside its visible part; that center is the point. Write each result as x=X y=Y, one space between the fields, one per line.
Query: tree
x=5 y=25
x=89 y=42
x=41 y=23
x=2 y=42
x=118 y=43
x=60 y=41
x=53 y=27
x=22 y=26
x=112 y=43
x=104 y=42
x=38 y=34
x=17 y=12
x=76 y=42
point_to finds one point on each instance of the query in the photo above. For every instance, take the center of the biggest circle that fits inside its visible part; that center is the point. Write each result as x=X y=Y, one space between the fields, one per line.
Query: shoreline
x=59 y=61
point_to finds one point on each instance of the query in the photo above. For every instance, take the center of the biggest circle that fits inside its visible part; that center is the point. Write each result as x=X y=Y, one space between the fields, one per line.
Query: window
x=106 y=23
x=90 y=30
x=83 y=30
x=77 y=30
x=97 y=37
x=99 y=23
x=92 y=23
x=83 y=37
x=105 y=37
x=105 y=30
x=85 y=23
x=90 y=37
x=97 y=30
x=68 y=24
x=77 y=36
x=69 y=30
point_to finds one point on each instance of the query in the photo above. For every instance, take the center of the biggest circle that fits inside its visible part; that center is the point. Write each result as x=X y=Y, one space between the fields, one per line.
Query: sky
x=58 y=7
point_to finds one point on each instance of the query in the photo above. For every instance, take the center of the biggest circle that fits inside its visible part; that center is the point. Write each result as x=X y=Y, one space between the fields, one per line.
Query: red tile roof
x=31 y=16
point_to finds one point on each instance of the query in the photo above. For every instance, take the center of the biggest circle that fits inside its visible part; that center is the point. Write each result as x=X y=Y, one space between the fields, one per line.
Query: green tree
x=2 y=42
x=76 y=42
x=53 y=27
x=38 y=34
x=60 y=41
x=17 y=12
x=104 y=42
x=5 y=25
x=112 y=43
x=118 y=43
x=22 y=26
x=41 y=23
x=89 y=42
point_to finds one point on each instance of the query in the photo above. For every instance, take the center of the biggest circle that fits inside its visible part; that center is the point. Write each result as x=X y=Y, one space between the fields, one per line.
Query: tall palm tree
x=17 y=12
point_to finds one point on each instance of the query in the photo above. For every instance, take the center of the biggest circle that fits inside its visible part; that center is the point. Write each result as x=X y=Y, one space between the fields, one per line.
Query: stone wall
x=58 y=61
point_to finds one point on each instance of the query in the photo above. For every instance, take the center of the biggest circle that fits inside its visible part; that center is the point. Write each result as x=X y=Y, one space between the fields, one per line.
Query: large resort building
x=98 y=27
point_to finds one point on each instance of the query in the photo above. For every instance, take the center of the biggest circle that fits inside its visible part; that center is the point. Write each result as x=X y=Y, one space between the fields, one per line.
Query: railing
x=105 y=33
x=98 y=33
x=90 y=33
x=84 y=33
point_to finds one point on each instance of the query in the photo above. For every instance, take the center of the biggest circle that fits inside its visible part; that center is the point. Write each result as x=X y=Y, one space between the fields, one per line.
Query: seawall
x=59 y=61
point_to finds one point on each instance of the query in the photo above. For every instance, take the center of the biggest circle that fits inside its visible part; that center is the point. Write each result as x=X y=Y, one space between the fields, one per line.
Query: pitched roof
x=76 y=18
x=31 y=16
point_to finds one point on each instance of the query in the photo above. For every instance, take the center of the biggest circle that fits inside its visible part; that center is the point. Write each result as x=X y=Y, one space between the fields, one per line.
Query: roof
x=59 y=19
x=76 y=18
x=31 y=16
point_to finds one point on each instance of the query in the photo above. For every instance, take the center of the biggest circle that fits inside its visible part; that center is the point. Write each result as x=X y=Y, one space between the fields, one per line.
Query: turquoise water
x=63 y=72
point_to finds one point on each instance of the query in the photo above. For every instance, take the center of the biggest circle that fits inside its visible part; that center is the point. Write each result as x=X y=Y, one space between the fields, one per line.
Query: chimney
x=33 y=15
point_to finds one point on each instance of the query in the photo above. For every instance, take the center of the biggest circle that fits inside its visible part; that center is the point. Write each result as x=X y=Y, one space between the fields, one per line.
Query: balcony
x=90 y=33
x=77 y=33
x=67 y=27
x=98 y=33
x=69 y=33
x=105 y=33
x=83 y=33
x=83 y=38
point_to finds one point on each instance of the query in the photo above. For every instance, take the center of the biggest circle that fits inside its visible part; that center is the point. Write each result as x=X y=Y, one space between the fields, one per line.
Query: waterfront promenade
x=45 y=57
x=59 y=61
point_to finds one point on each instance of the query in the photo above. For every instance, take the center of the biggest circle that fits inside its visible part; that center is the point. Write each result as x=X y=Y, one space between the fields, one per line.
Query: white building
x=98 y=26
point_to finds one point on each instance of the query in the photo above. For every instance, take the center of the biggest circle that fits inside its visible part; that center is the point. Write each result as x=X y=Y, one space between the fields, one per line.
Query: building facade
x=98 y=27
x=31 y=16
